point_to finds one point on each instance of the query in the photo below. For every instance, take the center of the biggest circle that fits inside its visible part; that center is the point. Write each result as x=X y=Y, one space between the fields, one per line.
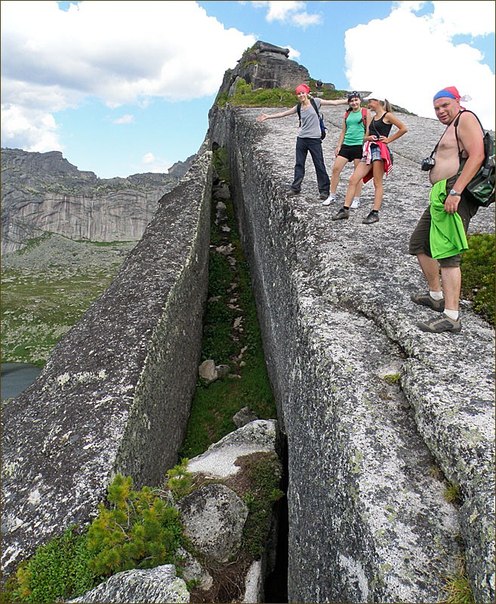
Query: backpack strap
x=457 y=119
x=314 y=105
x=364 y=117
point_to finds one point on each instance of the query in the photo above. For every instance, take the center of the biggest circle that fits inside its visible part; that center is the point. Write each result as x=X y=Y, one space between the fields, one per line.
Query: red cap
x=302 y=88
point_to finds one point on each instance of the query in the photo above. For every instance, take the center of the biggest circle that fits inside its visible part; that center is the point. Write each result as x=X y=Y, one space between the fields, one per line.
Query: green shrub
x=138 y=529
x=245 y=96
x=478 y=282
x=180 y=481
x=58 y=570
x=458 y=588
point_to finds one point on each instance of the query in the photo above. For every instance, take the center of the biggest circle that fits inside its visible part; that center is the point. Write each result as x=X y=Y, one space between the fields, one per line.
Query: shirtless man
x=444 y=290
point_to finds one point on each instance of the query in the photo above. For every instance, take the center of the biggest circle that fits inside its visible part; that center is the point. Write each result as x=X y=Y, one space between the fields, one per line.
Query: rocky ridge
x=43 y=192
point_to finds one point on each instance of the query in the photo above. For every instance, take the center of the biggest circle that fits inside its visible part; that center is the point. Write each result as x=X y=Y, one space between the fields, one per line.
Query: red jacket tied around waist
x=385 y=156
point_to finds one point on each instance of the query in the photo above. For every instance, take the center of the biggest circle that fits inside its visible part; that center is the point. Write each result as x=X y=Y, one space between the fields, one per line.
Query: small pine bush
x=138 y=529
x=180 y=481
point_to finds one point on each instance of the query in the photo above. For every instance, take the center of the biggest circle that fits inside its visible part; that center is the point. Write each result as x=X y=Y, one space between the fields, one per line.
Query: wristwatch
x=454 y=193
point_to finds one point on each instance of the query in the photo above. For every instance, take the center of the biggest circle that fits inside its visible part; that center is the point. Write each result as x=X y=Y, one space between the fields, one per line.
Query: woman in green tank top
x=349 y=147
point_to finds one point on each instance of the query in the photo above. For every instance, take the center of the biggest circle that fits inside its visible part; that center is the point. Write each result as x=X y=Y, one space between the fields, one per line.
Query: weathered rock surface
x=367 y=519
x=213 y=517
x=157 y=585
x=43 y=192
x=219 y=460
x=116 y=392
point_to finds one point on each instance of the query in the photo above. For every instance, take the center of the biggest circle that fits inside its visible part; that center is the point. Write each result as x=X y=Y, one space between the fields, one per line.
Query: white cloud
x=293 y=13
x=430 y=59
x=29 y=129
x=119 y=53
x=150 y=163
x=124 y=119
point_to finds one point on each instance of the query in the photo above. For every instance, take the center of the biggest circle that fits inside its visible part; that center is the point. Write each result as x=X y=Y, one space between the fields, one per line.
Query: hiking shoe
x=328 y=200
x=427 y=300
x=342 y=213
x=441 y=324
x=355 y=203
x=293 y=192
x=372 y=217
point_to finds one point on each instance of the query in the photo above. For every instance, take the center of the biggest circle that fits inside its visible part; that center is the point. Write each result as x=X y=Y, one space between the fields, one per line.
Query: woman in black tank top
x=377 y=160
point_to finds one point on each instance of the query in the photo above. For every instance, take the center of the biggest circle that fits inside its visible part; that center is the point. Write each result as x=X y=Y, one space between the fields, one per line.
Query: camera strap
x=457 y=117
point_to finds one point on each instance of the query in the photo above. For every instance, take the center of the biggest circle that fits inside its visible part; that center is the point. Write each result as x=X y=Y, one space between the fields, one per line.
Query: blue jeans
x=314 y=145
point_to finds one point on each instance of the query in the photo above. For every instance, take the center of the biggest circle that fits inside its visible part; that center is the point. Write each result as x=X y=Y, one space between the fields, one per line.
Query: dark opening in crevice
x=276 y=582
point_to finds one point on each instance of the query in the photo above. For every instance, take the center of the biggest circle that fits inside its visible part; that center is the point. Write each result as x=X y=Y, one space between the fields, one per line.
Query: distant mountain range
x=43 y=192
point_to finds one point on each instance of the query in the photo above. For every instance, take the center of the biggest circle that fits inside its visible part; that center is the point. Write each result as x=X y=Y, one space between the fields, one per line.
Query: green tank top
x=355 y=129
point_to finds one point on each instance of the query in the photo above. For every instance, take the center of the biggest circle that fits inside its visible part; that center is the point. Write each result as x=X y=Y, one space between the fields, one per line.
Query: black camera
x=428 y=163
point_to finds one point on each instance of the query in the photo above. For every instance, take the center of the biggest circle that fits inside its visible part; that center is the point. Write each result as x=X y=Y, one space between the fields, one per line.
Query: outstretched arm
x=270 y=116
x=334 y=102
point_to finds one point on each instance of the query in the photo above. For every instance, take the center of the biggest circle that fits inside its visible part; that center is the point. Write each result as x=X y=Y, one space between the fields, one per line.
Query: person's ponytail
x=387 y=105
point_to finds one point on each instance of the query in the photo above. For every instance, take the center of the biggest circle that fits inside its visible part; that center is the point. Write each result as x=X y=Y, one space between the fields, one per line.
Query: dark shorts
x=351 y=152
x=419 y=241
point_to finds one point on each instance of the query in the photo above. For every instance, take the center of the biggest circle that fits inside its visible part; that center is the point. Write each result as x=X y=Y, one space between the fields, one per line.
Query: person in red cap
x=454 y=162
x=308 y=139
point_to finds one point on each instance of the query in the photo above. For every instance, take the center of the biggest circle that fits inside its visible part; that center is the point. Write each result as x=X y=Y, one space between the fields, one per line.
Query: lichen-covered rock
x=157 y=585
x=219 y=460
x=115 y=394
x=368 y=521
x=213 y=517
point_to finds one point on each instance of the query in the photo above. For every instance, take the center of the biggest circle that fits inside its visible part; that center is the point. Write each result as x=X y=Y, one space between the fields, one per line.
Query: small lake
x=16 y=377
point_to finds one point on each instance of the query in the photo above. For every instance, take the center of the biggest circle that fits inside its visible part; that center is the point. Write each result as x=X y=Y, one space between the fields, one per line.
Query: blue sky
x=125 y=87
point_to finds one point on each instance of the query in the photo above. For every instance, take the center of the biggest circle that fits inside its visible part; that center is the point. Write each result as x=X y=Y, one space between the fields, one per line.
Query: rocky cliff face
x=44 y=192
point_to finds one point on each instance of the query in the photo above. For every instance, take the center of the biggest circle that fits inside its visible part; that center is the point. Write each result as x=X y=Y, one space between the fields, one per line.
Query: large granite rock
x=215 y=515
x=370 y=404
x=44 y=192
x=116 y=392
x=157 y=585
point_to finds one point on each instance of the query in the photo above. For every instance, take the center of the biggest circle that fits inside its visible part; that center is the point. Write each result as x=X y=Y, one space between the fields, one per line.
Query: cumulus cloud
x=293 y=13
x=117 y=53
x=150 y=163
x=28 y=129
x=124 y=119
x=434 y=58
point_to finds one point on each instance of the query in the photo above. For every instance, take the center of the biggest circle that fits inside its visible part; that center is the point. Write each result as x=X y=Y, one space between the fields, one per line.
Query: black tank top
x=379 y=128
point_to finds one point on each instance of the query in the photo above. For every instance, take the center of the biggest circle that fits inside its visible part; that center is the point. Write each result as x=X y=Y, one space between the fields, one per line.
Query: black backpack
x=323 y=129
x=481 y=188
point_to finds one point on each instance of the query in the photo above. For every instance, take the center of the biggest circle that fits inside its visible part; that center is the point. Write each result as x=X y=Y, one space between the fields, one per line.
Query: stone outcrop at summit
x=265 y=66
